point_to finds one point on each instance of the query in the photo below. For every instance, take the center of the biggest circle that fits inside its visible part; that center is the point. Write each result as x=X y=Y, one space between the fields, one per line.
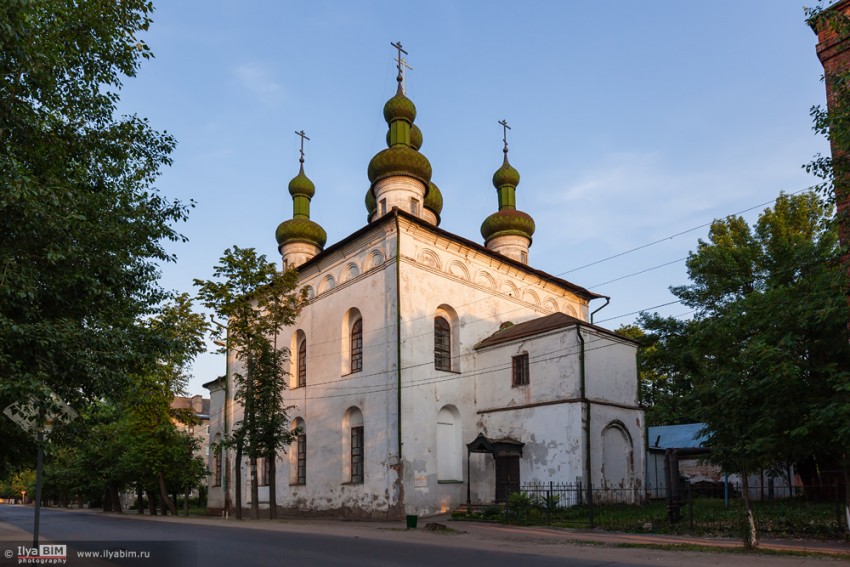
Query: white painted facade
x=395 y=276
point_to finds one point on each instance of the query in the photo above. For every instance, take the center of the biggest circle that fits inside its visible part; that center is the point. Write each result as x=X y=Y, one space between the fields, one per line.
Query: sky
x=631 y=123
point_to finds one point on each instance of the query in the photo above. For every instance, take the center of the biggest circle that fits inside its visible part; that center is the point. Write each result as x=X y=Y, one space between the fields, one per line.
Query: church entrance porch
x=506 y=453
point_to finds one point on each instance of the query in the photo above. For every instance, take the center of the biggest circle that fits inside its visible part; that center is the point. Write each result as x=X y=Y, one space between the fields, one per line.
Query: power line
x=641 y=310
x=676 y=235
x=670 y=263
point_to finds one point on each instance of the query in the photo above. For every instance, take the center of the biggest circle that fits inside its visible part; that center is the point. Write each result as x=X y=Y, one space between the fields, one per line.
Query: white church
x=429 y=370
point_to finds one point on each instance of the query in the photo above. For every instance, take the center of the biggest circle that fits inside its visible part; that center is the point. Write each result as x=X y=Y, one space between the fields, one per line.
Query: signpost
x=38 y=419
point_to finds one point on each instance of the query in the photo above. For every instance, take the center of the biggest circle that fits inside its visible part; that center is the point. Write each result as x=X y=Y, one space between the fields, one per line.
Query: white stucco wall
x=215 y=493
x=476 y=292
x=363 y=275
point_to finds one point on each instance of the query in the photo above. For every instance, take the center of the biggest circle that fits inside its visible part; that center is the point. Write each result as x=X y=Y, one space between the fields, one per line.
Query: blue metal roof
x=675 y=436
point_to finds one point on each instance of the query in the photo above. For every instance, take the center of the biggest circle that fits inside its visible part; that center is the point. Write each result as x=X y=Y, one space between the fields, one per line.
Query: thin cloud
x=257 y=79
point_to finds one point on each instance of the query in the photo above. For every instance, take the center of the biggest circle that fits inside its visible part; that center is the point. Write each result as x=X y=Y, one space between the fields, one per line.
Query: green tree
x=81 y=225
x=22 y=484
x=153 y=447
x=135 y=438
x=768 y=337
x=257 y=301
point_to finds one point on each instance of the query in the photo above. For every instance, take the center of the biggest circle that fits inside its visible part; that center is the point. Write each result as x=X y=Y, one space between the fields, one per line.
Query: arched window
x=302 y=458
x=446 y=339
x=263 y=471
x=298 y=454
x=353 y=446
x=216 y=460
x=442 y=344
x=449 y=447
x=357 y=346
x=302 y=364
x=618 y=456
x=351 y=342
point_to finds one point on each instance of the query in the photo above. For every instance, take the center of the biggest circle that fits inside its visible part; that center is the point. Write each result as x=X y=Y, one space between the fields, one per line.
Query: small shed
x=661 y=438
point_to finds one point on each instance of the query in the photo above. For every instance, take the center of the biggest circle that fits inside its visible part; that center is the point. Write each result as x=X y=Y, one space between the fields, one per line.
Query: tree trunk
x=107 y=499
x=166 y=500
x=140 y=501
x=116 y=499
x=186 y=502
x=237 y=484
x=272 y=486
x=846 y=468
x=255 y=489
x=751 y=540
x=152 y=501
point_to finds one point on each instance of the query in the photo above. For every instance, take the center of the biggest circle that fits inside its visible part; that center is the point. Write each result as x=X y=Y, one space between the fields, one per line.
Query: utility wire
x=676 y=235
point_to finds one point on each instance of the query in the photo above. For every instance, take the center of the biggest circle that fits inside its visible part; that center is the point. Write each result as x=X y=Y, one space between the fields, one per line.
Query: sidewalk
x=618 y=539
x=472 y=534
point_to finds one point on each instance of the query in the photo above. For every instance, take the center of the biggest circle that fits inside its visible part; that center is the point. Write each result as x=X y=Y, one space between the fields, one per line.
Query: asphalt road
x=210 y=543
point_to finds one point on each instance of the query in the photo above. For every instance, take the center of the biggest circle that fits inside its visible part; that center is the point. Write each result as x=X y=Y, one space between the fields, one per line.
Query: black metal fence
x=696 y=511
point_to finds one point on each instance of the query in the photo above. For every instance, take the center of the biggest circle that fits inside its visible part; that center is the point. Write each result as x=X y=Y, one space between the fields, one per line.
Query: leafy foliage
x=136 y=438
x=257 y=301
x=763 y=359
x=81 y=226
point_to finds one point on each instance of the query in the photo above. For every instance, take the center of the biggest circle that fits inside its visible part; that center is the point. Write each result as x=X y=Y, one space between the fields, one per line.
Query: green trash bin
x=411 y=521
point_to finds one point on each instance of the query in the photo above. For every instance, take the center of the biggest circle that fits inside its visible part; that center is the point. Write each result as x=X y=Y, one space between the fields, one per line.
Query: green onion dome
x=399 y=107
x=505 y=222
x=401 y=157
x=434 y=199
x=301 y=185
x=301 y=229
x=371 y=203
x=505 y=175
x=399 y=160
x=415 y=137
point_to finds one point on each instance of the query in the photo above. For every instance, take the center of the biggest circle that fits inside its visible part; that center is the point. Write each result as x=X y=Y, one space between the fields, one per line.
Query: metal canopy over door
x=507 y=453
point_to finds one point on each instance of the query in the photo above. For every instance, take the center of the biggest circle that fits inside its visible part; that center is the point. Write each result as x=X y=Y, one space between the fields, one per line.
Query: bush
x=492 y=511
x=519 y=503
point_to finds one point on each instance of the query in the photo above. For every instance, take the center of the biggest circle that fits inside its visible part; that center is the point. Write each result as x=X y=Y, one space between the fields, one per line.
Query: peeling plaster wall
x=483 y=293
x=611 y=368
x=478 y=293
x=359 y=276
x=611 y=376
x=364 y=278
x=553 y=431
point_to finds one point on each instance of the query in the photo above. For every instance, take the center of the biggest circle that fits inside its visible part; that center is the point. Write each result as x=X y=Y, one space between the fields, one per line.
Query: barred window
x=357 y=346
x=357 y=455
x=442 y=344
x=217 y=468
x=520 y=370
x=302 y=364
x=262 y=471
x=302 y=459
